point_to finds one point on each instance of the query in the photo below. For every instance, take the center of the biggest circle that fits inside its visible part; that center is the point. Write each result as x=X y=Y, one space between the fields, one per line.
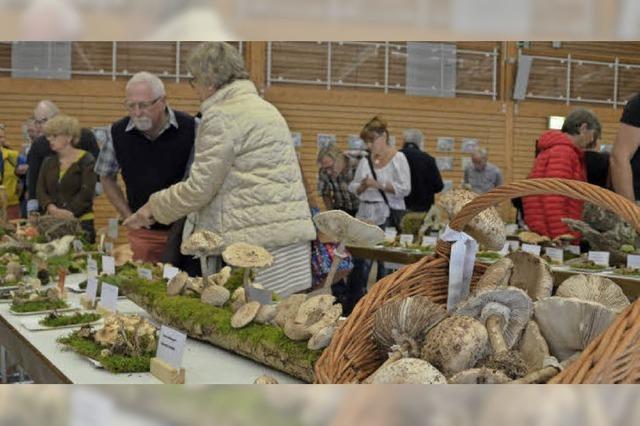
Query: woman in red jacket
x=561 y=156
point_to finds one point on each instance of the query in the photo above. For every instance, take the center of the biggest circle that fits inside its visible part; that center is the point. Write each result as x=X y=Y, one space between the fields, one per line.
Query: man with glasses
x=151 y=148
x=44 y=111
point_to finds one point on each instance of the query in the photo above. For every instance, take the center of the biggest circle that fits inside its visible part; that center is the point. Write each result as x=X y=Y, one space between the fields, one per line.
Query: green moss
x=64 y=320
x=37 y=306
x=411 y=222
x=489 y=255
x=112 y=363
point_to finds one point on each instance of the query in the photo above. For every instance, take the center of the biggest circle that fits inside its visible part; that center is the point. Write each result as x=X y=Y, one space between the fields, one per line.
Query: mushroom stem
x=337 y=258
x=245 y=283
x=204 y=270
x=540 y=376
x=496 y=336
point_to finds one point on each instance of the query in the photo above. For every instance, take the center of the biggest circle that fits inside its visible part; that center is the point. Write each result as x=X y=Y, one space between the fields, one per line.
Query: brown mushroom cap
x=533 y=347
x=343 y=227
x=245 y=314
x=479 y=376
x=215 y=295
x=529 y=237
x=405 y=322
x=511 y=303
x=455 y=344
x=509 y=362
x=201 y=243
x=487 y=227
x=177 y=284
x=243 y=255
x=594 y=288
x=408 y=371
x=532 y=274
x=569 y=324
x=496 y=275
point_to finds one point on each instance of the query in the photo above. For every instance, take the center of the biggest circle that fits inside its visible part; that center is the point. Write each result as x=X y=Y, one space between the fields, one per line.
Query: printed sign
x=109 y=296
x=429 y=241
x=325 y=140
x=574 y=249
x=108 y=265
x=444 y=144
x=297 y=139
x=92 y=289
x=504 y=250
x=514 y=245
x=92 y=267
x=390 y=234
x=469 y=145
x=169 y=271
x=599 y=257
x=171 y=346
x=532 y=248
x=406 y=239
x=633 y=261
x=555 y=254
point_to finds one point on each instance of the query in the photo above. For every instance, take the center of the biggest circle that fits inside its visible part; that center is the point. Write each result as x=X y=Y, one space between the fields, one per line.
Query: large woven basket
x=352 y=355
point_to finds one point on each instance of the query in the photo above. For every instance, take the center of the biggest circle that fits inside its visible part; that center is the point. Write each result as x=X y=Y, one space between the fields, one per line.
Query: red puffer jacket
x=558 y=158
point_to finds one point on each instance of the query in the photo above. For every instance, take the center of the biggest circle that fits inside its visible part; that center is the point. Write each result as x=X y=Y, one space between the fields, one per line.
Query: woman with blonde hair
x=245 y=183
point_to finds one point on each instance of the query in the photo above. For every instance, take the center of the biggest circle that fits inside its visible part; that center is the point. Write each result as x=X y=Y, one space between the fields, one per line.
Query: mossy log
x=262 y=343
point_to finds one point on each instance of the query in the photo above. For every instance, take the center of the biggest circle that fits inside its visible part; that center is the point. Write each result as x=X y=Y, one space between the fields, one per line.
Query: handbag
x=395 y=215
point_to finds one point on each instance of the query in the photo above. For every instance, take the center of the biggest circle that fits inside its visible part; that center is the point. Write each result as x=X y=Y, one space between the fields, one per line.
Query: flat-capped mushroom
x=265 y=314
x=322 y=338
x=529 y=237
x=247 y=256
x=215 y=295
x=455 y=344
x=287 y=308
x=346 y=230
x=496 y=275
x=532 y=274
x=202 y=244
x=221 y=277
x=594 y=288
x=533 y=347
x=177 y=284
x=487 y=227
x=479 y=376
x=569 y=324
x=245 y=314
x=408 y=371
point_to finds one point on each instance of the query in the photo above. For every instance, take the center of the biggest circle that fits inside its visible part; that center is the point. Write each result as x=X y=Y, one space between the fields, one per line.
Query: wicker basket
x=352 y=355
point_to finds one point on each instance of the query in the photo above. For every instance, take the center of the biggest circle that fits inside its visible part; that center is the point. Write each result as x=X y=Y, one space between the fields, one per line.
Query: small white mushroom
x=287 y=308
x=408 y=371
x=177 y=284
x=314 y=314
x=245 y=314
x=195 y=285
x=265 y=314
x=265 y=380
x=215 y=295
x=237 y=299
x=221 y=277
x=202 y=244
x=532 y=274
x=247 y=256
x=594 y=288
x=479 y=376
x=322 y=338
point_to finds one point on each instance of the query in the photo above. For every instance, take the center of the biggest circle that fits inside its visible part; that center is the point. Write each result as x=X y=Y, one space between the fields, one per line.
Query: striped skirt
x=290 y=271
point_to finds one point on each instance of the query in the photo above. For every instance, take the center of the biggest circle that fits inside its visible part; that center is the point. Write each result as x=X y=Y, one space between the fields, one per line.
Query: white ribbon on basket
x=461 y=260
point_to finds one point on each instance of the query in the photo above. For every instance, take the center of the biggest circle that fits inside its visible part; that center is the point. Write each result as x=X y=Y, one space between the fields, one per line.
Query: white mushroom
x=455 y=344
x=479 y=376
x=202 y=244
x=58 y=247
x=195 y=285
x=15 y=269
x=247 y=256
x=265 y=314
x=265 y=380
x=322 y=338
x=487 y=227
x=221 y=277
x=346 y=230
x=496 y=275
x=532 y=274
x=594 y=288
x=245 y=314
x=237 y=299
x=314 y=314
x=215 y=295
x=569 y=325
x=533 y=347
x=177 y=284
x=287 y=308
x=408 y=371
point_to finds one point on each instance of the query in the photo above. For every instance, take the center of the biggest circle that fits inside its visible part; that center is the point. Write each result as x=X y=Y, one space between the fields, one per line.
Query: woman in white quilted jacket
x=245 y=183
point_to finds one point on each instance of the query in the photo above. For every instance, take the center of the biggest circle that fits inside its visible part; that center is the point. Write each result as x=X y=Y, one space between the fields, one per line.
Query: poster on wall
x=355 y=143
x=447 y=185
x=444 y=163
x=469 y=145
x=325 y=140
x=444 y=144
x=466 y=161
x=297 y=139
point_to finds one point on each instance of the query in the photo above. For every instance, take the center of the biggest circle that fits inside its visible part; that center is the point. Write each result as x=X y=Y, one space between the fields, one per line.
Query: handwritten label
x=145 y=273
x=89 y=407
x=92 y=289
x=514 y=245
x=633 y=261
x=171 y=346
x=169 y=271
x=77 y=246
x=92 y=267
x=555 y=254
x=531 y=248
x=504 y=250
x=109 y=296
x=112 y=229
x=429 y=241
x=265 y=297
x=574 y=249
x=390 y=234
x=108 y=265
x=599 y=257
x=406 y=239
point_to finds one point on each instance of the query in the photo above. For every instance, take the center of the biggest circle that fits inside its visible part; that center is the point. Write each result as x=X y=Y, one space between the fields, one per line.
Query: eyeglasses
x=41 y=121
x=141 y=105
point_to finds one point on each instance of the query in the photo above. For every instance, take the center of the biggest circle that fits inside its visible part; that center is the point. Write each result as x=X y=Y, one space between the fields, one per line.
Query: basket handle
x=604 y=198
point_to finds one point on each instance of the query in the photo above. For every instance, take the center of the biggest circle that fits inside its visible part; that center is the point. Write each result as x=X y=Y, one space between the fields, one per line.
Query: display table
x=45 y=361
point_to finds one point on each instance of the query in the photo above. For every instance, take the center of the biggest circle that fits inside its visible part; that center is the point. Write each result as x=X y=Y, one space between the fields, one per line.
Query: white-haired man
x=481 y=175
x=150 y=147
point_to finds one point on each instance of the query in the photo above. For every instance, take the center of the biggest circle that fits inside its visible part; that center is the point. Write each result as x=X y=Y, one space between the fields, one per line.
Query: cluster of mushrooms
x=509 y=330
x=27 y=294
x=129 y=335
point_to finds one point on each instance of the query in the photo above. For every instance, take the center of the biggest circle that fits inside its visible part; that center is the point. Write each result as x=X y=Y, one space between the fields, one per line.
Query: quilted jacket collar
x=237 y=88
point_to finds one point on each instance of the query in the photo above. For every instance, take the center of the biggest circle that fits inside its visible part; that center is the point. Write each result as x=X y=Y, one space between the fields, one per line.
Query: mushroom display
x=125 y=335
x=346 y=230
x=215 y=295
x=594 y=288
x=529 y=237
x=479 y=376
x=237 y=299
x=122 y=254
x=177 y=284
x=487 y=227
x=569 y=324
x=457 y=343
x=221 y=277
x=202 y=244
x=287 y=308
x=58 y=247
x=408 y=371
x=314 y=314
x=247 y=256
x=245 y=314
x=322 y=338
x=532 y=274
x=496 y=275
x=533 y=347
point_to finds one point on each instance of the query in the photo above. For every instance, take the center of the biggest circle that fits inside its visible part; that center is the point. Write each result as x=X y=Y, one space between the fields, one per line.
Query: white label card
x=108 y=265
x=599 y=257
x=406 y=239
x=633 y=261
x=390 y=234
x=514 y=245
x=145 y=273
x=169 y=271
x=555 y=254
x=531 y=248
x=92 y=267
x=92 y=288
x=171 y=346
x=505 y=250
x=112 y=229
x=574 y=249
x=109 y=296
x=265 y=297
x=90 y=407
x=429 y=241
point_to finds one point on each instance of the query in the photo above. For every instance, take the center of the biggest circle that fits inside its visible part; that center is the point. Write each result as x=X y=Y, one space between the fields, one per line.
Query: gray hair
x=481 y=152
x=413 y=136
x=47 y=108
x=156 y=85
x=216 y=64
x=577 y=117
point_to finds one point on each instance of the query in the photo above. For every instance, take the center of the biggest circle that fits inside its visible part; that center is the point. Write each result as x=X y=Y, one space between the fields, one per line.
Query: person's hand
x=371 y=183
x=143 y=218
x=55 y=211
x=21 y=169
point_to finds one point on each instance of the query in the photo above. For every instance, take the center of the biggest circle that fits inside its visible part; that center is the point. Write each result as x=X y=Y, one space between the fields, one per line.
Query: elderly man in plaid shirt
x=335 y=174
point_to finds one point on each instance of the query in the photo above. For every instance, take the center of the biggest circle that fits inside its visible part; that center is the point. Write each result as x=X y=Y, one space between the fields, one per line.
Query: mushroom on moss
x=177 y=284
x=247 y=256
x=202 y=244
x=245 y=314
x=314 y=314
x=346 y=230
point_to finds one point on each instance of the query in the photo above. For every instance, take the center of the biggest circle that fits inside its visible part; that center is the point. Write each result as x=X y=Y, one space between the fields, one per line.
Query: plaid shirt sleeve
x=107 y=164
x=324 y=189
